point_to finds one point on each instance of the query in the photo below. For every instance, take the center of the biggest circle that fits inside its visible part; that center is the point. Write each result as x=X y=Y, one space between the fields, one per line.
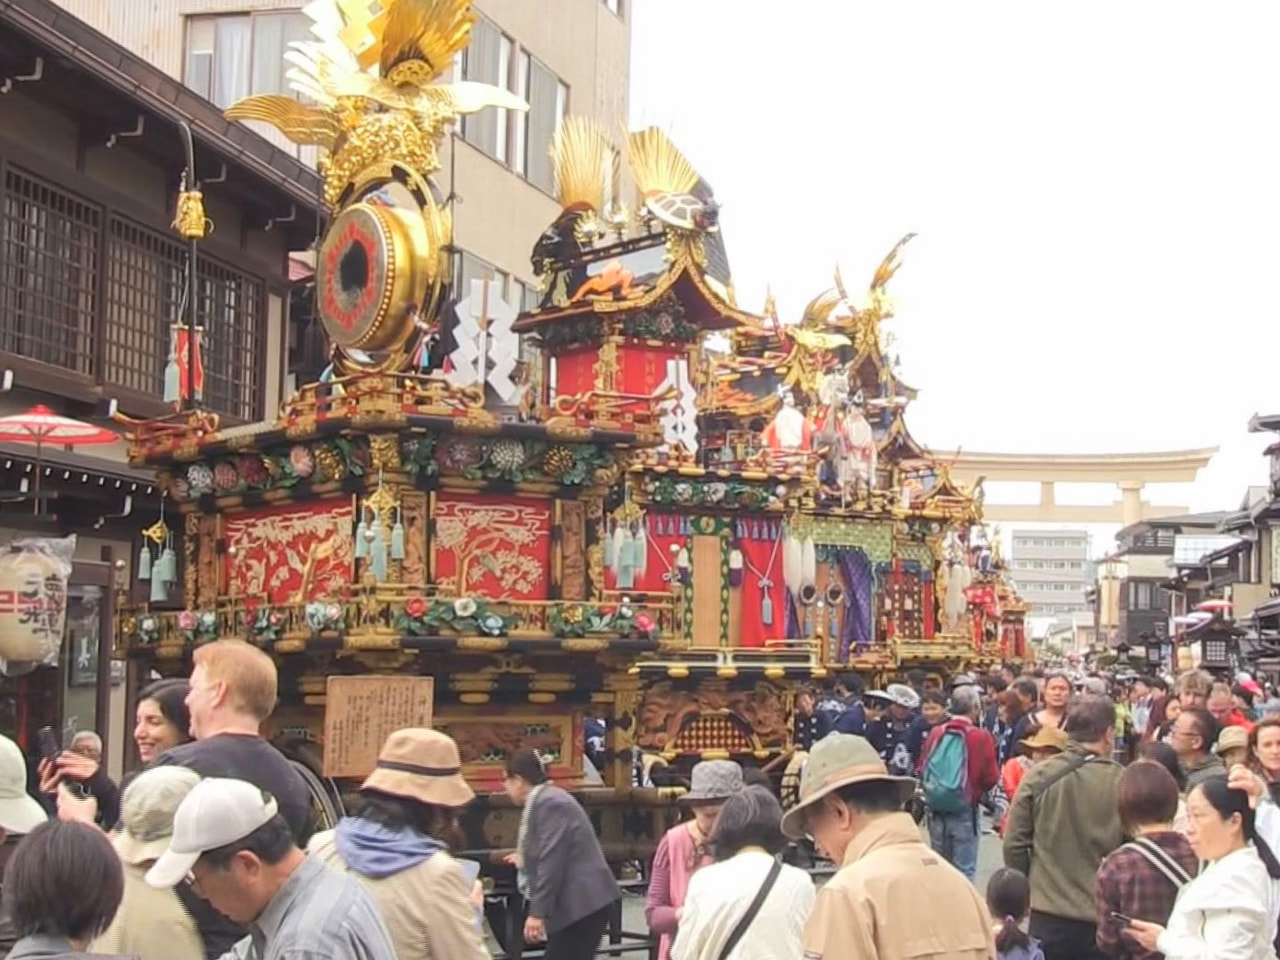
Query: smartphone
x=50 y=745
x=1120 y=919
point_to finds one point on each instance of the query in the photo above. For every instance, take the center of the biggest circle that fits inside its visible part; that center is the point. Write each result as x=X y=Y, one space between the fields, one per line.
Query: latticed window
x=49 y=253
x=146 y=273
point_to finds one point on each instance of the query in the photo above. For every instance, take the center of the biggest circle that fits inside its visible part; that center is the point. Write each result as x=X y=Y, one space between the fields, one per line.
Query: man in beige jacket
x=892 y=896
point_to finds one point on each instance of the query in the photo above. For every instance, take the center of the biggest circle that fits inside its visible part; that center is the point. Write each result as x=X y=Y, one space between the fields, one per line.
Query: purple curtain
x=858 y=577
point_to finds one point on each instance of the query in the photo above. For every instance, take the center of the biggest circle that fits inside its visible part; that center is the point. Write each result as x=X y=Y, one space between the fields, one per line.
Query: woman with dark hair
x=1160 y=723
x=398 y=843
x=717 y=923
x=1229 y=911
x=563 y=873
x=1264 y=753
x=62 y=888
x=1165 y=755
x=162 y=721
x=1143 y=878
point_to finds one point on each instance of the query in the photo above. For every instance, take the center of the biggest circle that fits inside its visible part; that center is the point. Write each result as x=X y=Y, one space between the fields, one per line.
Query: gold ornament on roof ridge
x=583 y=161
x=656 y=163
x=370 y=80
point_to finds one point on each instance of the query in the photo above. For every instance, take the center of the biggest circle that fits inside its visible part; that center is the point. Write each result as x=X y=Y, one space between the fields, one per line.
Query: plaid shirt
x=1128 y=883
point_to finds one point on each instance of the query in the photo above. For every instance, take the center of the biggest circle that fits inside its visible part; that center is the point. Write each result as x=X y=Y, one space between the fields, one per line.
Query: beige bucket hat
x=147 y=810
x=422 y=765
x=838 y=760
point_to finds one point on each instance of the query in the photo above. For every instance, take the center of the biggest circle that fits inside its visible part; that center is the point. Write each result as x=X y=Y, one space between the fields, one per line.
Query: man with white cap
x=230 y=842
x=892 y=896
x=19 y=815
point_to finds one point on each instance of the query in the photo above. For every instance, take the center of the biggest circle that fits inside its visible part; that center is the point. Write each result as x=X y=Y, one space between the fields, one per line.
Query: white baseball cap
x=19 y=813
x=215 y=813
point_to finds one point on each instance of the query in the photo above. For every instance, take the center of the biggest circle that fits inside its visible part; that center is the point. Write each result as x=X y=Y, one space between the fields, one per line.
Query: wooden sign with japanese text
x=361 y=712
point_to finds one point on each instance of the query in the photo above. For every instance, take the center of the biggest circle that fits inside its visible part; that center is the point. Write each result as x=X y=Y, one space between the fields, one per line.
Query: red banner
x=180 y=351
x=283 y=554
x=757 y=554
x=642 y=368
x=492 y=546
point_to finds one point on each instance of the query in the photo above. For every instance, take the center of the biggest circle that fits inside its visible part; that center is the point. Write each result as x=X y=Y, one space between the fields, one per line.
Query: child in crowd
x=1009 y=900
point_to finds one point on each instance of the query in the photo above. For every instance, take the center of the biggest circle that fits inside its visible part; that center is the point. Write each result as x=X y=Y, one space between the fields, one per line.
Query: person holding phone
x=1143 y=878
x=1229 y=911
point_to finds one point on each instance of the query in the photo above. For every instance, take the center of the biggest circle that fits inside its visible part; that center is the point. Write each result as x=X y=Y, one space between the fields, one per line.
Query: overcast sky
x=1096 y=189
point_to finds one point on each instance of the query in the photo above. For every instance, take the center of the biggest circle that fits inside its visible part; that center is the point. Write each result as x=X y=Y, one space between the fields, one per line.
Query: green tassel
x=167 y=568
x=397 y=541
x=378 y=559
x=144 y=563
x=766 y=609
x=172 y=381
x=159 y=592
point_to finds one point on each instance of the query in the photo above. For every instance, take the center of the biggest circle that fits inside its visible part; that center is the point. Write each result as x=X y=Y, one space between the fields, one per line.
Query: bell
x=159 y=592
x=144 y=563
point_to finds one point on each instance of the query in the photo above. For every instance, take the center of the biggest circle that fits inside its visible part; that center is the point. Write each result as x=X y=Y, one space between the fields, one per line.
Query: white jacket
x=1226 y=913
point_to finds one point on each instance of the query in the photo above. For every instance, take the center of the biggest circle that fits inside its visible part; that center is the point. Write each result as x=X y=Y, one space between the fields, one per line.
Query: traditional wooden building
x=92 y=278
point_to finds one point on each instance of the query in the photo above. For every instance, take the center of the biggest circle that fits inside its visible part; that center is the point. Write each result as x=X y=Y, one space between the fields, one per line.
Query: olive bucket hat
x=839 y=760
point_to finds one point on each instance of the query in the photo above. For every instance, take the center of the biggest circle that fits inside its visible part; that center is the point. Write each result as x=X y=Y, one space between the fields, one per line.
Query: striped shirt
x=319 y=914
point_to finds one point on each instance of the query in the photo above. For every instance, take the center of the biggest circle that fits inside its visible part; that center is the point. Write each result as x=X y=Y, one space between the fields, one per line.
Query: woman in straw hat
x=398 y=845
x=151 y=924
x=685 y=848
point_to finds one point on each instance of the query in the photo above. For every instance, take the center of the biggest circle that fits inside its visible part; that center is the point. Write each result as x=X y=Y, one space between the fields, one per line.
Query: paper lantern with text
x=33 y=599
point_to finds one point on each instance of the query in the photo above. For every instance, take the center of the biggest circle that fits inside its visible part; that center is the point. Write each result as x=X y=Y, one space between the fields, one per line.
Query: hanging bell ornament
x=144 y=563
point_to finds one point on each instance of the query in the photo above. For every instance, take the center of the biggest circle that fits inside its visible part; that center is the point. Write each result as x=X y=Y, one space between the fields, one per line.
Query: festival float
x=681 y=514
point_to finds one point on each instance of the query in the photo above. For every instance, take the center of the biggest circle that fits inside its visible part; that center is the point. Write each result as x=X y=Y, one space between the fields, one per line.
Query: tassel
x=159 y=592
x=642 y=547
x=766 y=604
x=808 y=563
x=617 y=545
x=397 y=540
x=144 y=563
x=610 y=556
x=378 y=557
x=362 y=540
x=166 y=570
x=172 y=381
x=735 y=567
x=792 y=554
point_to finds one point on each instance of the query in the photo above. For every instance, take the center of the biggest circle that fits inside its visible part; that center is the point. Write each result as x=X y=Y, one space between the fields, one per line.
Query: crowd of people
x=1138 y=820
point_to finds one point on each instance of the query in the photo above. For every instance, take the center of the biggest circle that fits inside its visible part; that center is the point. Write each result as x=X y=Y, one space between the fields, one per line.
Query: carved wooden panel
x=208 y=570
x=573 y=550
x=413 y=507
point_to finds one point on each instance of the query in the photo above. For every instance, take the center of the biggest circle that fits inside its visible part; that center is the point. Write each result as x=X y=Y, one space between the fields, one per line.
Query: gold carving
x=208 y=578
x=489 y=742
x=385 y=450
x=413 y=511
x=573 y=561
x=666 y=710
x=190 y=553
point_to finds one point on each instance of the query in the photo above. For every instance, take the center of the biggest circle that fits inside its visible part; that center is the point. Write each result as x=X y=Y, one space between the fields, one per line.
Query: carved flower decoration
x=333 y=612
x=572 y=614
x=645 y=624
x=225 y=476
x=415 y=607
x=200 y=479
x=459 y=454
x=187 y=620
x=682 y=492
x=301 y=461
x=208 y=621
x=507 y=454
x=715 y=492
x=252 y=471
x=464 y=607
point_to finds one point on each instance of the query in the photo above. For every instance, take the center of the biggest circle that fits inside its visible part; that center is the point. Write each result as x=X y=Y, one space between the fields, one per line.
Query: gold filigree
x=384 y=449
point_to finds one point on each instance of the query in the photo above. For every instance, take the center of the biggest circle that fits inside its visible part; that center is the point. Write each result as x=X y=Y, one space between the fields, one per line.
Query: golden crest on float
x=370 y=79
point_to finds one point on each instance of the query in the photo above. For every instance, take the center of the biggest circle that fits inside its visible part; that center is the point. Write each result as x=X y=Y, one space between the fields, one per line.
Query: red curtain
x=757 y=552
x=664 y=531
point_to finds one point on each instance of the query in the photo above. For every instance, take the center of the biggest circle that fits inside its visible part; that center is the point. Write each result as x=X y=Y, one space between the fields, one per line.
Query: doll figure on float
x=789 y=430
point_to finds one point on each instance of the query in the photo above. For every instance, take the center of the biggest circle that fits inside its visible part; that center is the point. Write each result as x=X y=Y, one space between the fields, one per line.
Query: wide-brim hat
x=1232 y=738
x=1046 y=738
x=423 y=765
x=713 y=781
x=839 y=760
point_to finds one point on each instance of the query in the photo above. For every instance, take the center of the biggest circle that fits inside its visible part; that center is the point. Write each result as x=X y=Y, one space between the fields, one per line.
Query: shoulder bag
x=752 y=910
x=1160 y=859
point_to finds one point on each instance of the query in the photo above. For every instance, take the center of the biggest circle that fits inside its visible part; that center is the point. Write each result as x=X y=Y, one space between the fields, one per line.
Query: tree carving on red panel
x=275 y=553
x=493 y=547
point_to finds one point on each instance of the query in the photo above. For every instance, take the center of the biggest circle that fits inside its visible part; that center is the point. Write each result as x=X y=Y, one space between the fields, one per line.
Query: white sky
x=1096 y=188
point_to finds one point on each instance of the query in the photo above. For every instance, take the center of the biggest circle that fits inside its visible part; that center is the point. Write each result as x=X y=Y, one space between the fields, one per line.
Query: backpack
x=946 y=773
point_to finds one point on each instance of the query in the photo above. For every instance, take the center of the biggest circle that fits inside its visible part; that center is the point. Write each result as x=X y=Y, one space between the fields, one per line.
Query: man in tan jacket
x=892 y=896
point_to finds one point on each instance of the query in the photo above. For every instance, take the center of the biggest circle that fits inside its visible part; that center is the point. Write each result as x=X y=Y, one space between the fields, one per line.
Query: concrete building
x=567 y=56
x=1053 y=571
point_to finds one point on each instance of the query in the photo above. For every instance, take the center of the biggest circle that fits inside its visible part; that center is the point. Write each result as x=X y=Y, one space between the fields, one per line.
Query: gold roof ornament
x=371 y=82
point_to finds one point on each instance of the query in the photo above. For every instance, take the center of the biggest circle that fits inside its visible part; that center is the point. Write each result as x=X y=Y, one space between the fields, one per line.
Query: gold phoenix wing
x=303 y=125
x=888 y=267
x=816 y=339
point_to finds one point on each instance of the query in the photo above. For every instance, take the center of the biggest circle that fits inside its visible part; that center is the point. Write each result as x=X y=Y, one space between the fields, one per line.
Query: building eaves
x=49 y=26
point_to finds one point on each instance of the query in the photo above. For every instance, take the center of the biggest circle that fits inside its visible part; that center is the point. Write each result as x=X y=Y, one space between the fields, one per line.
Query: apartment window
x=548 y=100
x=1022 y=542
x=235 y=56
x=487 y=59
x=48 y=273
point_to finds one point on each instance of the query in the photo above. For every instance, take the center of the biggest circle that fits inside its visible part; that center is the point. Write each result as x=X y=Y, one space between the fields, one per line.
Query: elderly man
x=958 y=766
x=1063 y=822
x=852 y=808
x=238 y=853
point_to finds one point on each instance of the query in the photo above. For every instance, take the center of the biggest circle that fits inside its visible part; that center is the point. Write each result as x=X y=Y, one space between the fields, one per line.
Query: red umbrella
x=40 y=424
